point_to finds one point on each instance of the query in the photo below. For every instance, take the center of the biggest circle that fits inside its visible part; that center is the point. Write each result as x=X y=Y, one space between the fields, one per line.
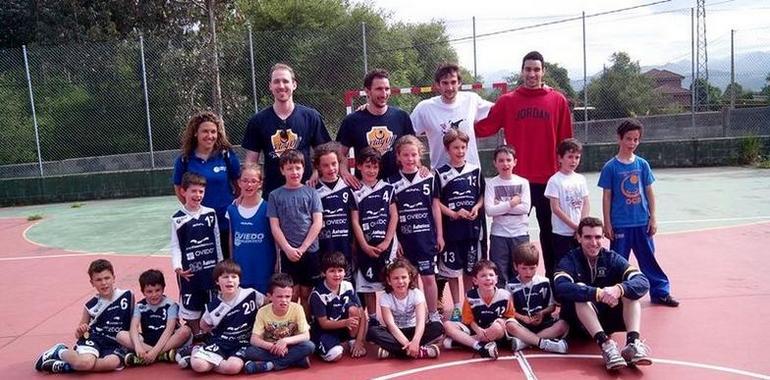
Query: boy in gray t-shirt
x=295 y=214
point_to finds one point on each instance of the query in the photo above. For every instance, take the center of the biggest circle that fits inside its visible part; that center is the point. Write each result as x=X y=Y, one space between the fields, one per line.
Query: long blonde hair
x=190 y=140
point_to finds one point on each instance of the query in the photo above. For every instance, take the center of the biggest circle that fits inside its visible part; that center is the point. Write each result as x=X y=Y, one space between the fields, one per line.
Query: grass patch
x=764 y=163
x=77 y=205
x=34 y=217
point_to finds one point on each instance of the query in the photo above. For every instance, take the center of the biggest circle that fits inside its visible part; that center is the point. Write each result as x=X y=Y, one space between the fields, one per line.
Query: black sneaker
x=488 y=350
x=56 y=366
x=665 y=301
x=51 y=353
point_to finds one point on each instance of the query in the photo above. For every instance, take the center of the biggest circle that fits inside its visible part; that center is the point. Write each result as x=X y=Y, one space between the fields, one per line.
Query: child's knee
x=84 y=362
x=354 y=311
x=200 y=365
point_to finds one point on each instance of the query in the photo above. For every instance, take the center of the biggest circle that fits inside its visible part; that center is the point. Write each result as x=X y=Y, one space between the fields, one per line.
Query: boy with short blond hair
x=461 y=193
x=533 y=323
x=628 y=205
x=155 y=329
x=281 y=335
x=296 y=218
x=568 y=194
x=105 y=316
x=195 y=250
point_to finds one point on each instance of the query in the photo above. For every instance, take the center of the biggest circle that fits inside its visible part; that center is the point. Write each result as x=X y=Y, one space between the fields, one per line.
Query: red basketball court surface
x=719 y=273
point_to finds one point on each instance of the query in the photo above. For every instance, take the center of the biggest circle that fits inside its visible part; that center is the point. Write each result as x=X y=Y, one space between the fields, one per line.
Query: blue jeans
x=297 y=353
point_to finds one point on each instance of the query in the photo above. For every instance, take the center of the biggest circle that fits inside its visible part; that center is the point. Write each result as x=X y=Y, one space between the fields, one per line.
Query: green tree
x=704 y=90
x=766 y=89
x=621 y=90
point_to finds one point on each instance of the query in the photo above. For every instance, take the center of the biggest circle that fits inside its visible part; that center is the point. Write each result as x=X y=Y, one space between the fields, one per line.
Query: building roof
x=662 y=74
x=672 y=90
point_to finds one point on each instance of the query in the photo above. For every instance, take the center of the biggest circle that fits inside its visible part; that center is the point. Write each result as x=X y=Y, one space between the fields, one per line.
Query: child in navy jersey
x=105 y=316
x=229 y=319
x=462 y=196
x=533 y=324
x=155 y=329
x=336 y=312
x=251 y=242
x=420 y=232
x=374 y=223
x=195 y=250
x=337 y=201
x=485 y=310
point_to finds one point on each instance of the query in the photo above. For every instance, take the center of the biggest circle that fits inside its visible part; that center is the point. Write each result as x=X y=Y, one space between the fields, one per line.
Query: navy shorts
x=100 y=346
x=192 y=302
x=306 y=271
x=325 y=340
x=425 y=262
x=459 y=257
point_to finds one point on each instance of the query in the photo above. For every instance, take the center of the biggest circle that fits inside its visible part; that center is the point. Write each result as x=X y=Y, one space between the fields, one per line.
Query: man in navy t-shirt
x=377 y=126
x=286 y=125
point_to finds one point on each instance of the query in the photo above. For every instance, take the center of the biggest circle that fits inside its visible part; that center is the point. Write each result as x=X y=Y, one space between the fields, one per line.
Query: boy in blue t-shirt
x=251 y=242
x=336 y=312
x=628 y=205
x=195 y=250
x=105 y=316
x=296 y=218
x=337 y=201
x=155 y=331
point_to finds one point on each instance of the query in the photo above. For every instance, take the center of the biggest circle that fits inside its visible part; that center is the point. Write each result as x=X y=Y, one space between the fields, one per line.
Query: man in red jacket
x=535 y=119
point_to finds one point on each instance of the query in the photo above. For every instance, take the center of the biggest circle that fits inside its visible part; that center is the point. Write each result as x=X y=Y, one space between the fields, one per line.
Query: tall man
x=286 y=125
x=378 y=125
x=600 y=292
x=535 y=119
x=452 y=109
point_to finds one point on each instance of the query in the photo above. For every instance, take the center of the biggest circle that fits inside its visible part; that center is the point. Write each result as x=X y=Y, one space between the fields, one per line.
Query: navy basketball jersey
x=198 y=238
x=414 y=199
x=531 y=297
x=324 y=303
x=373 y=205
x=109 y=317
x=153 y=318
x=460 y=190
x=337 y=201
x=484 y=314
x=233 y=322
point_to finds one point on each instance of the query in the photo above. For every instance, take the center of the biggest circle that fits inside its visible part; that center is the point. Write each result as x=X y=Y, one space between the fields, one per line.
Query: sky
x=652 y=35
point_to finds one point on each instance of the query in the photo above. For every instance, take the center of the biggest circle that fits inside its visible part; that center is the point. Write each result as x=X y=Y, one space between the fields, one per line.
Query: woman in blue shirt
x=206 y=151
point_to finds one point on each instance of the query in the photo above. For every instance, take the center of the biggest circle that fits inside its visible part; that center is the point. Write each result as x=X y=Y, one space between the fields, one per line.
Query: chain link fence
x=121 y=105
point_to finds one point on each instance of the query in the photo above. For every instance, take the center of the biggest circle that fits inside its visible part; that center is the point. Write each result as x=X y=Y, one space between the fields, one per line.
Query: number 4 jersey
x=373 y=205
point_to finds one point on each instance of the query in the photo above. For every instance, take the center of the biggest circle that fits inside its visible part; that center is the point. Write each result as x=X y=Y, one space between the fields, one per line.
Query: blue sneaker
x=51 y=353
x=457 y=315
x=252 y=367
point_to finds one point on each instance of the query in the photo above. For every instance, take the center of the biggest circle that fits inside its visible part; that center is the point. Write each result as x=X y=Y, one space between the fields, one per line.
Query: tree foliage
x=621 y=90
x=87 y=74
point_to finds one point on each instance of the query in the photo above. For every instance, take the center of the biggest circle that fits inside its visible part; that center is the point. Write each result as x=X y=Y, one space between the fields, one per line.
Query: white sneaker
x=558 y=346
x=636 y=353
x=518 y=344
x=611 y=355
x=435 y=317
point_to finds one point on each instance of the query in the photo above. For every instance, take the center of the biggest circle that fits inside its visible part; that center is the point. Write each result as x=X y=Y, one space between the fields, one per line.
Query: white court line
x=715 y=220
x=529 y=374
x=729 y=370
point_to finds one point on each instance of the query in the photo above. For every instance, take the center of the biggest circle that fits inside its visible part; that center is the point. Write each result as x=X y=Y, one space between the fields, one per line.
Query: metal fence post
x=253 y=74
x=585 y=82
x=475 y=73
x=146 y=102
x=732 y=68
x=34 y=114
x=363 y=37
x=692 y=67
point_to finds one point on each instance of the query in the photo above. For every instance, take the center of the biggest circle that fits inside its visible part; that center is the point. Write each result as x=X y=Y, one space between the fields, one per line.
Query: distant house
x=669 y=84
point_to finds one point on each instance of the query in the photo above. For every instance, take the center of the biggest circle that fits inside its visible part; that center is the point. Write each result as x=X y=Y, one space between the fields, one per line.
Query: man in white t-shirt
x=452 y=109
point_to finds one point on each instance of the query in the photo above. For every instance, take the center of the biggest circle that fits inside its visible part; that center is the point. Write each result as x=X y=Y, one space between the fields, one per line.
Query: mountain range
x=751 y=70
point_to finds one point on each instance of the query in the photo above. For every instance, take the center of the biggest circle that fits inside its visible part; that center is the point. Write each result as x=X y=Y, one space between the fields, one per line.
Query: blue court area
x=688 y=199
